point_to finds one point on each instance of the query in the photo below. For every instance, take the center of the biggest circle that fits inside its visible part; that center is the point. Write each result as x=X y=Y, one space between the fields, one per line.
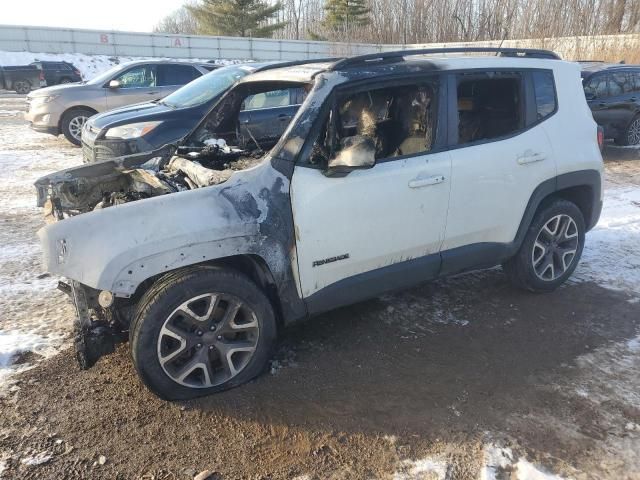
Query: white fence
x=116 y=43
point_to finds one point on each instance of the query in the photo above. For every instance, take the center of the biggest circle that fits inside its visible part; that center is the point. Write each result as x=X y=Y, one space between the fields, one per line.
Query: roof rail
x=293 y=63
x=387 y=56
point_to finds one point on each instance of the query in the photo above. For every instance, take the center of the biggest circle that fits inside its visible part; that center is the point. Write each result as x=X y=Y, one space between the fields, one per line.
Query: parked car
x=56 y=73
x=613 y=94
x=398 y=168
x=148 y=126
x=20 y=78
x=65 y=108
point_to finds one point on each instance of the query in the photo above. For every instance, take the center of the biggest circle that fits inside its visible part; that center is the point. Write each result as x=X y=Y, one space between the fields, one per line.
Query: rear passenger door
x=266 y=115
x=500 y=154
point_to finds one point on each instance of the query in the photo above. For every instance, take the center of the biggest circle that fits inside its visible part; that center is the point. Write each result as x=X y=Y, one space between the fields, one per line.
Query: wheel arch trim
x=590 y=179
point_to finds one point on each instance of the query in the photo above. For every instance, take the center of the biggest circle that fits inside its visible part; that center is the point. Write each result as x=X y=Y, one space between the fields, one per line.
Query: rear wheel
x=551 y=248
x=631 y=135
x=72 y=123
x=200 y=331
x=22 y=86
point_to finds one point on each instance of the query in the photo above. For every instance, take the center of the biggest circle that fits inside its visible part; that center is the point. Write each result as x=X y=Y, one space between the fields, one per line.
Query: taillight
x=600 y=138
x=41 y=75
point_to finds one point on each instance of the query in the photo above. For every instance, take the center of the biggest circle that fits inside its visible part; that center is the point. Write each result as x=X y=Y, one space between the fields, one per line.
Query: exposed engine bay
x=211 y=165
x=228 y=139
x=117 y=184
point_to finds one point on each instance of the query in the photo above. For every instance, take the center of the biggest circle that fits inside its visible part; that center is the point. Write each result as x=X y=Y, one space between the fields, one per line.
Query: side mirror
x=590 y=96
x=114 y=84
x=356 y=153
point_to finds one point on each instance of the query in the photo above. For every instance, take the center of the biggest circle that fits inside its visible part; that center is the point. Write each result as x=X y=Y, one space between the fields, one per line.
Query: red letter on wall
x=177 y=43
x=104 y=38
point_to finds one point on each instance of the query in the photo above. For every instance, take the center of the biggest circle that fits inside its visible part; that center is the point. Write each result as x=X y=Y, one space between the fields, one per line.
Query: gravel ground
x=463 y=378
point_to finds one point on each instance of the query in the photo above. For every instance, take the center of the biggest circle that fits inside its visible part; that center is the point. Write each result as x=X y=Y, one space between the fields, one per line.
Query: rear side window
x=597 y=87
x=545 y=94
x=176 y=74
x=489 y=105
x=620 y=83
x=275 y=98
x=635 y=78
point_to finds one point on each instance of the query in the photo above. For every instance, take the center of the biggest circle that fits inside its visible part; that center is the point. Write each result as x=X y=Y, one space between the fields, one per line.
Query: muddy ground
x=428 y=383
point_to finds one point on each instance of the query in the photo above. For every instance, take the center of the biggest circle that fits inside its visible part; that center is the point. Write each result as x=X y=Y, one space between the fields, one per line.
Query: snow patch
x=424 y=469
x=611 y=255
x=527 y=471
x=89 y=65
x=37 y=459
x=500 y=463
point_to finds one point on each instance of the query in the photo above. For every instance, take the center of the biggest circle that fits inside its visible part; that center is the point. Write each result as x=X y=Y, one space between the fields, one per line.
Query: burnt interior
x=396 y=121
x=489 y=106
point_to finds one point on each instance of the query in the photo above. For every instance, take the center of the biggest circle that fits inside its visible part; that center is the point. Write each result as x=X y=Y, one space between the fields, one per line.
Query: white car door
x=358 y=234
x=494 y=177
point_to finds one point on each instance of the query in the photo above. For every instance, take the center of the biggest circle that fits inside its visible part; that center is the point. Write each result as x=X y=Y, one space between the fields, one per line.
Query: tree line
x=404 y=21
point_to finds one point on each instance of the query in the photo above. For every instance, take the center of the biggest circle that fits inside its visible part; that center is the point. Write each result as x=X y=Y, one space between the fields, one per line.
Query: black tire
x=159 y=305
x=631 y=135
x=22 y=86
x=521 y=269
x=70 y=120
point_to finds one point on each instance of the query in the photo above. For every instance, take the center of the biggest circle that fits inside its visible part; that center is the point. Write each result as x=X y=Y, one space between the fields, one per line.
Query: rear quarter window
x=545 y=94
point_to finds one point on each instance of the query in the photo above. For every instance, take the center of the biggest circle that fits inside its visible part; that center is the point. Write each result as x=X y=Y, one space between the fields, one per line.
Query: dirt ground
x=463 y=378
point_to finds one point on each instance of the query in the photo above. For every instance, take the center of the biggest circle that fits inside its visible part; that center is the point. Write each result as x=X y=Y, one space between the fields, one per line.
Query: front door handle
x=530 y=157
x=426 y=181
x=153 y=93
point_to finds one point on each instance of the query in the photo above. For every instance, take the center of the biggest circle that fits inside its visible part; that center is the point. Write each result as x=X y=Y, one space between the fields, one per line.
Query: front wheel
x=72 y=123
x=200 y=331
x=551 y=248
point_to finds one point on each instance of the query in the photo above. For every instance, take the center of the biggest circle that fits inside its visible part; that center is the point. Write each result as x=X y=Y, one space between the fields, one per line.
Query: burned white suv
x=396 y=169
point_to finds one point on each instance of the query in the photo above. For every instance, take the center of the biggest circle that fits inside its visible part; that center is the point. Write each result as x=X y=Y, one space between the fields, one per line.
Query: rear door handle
x=530 y=157
x=426 y=181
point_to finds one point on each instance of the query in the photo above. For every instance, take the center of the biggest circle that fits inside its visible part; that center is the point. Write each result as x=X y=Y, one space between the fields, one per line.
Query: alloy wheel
x=21 y=87
x=75 y=126
x=555 y=247
x=208 y=340
x=633 y=136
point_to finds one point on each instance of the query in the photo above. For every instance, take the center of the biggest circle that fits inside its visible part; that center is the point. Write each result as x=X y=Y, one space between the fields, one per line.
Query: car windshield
x=104 y=77
x=206 y=87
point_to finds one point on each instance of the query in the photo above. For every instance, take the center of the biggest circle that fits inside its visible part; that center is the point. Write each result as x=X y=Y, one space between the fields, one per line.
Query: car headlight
x=43 y=99
x=133 y=130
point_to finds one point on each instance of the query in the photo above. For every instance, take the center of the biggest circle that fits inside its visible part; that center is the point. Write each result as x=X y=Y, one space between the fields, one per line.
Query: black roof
x=595 y=66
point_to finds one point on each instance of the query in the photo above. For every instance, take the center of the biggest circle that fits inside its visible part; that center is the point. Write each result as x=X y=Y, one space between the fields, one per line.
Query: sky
x=129 y=15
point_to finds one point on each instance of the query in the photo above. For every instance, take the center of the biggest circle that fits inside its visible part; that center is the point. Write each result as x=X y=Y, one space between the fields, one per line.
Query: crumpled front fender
x=117 y=248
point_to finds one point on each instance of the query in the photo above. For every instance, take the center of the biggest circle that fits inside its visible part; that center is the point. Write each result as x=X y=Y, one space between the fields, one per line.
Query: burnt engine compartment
x=190 y=168
x=106 y=184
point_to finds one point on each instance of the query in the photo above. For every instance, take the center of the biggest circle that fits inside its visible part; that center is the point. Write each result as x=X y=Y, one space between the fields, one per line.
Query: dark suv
x=56 y=73
x=613 y=94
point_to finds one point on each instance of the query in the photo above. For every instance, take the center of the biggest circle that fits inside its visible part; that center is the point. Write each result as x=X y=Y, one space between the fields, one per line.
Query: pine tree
x=346 y=14
x=237 y=18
